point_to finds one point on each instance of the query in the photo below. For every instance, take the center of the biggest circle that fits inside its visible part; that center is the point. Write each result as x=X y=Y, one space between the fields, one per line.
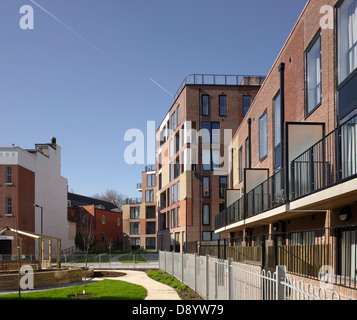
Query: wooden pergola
x=42 y=263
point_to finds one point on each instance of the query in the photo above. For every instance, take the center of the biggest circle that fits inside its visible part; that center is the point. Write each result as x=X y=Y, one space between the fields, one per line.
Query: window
x=9 y=175
x=216 y=159
x=206 y=159
x=135 y=243
x=150 y=212
x=8 y=206
x=209 y=236
x=263 y=136
x=205 y=187
x=178 y=114
x=173 y=218
x=151 y=180
x=222 y=187
x=172 y=148
x=150 y=243
x=163 y=200
x=247 y=160
x=206 y=214
x=205 y=105
x=134 y=227
x=150 y=227
x=172 y=171
x=104 y=219
x=149 y=196
x=173 y=194
x=240 y=163
x=118 y=222
x=162 y=221
x=247 y=101
x=173 y=122
x=135 y=213
x=313 y=77
x=347 y=39
x=104 y=237
x=210 y=135
x=222 y=106
x=277 y=131
x=178 y=216
x=177 y=141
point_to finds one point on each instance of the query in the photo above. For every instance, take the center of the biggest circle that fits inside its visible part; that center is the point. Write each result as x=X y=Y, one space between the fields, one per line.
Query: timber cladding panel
x=42 y=279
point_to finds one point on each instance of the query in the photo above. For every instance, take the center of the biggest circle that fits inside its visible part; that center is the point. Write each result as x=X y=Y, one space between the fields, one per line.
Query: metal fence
x=143 y=260
x=217 y=279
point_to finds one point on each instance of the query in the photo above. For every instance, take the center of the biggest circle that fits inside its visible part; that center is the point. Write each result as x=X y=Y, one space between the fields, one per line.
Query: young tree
x=87 y=237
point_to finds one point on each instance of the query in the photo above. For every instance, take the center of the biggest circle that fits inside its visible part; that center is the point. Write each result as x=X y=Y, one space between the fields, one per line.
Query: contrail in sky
x=69 y=28
x=161 y=87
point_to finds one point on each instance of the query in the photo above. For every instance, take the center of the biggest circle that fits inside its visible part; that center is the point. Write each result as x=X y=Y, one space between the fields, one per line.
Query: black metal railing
x=329 y=161
x=266 y=196
x=216 y=79
x=133 y=201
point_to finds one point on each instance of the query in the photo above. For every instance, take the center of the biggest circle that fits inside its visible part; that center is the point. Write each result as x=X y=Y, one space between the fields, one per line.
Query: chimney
x=53 y=142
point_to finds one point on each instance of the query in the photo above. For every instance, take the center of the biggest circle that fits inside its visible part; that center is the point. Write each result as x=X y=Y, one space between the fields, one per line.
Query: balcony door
x=349 y=148
x=348 y=254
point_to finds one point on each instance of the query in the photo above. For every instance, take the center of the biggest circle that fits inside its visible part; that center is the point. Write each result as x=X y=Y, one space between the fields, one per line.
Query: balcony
x=325 y=175
x=266 y=196
x=139 y=186
x=214 y=79
x=133 y=201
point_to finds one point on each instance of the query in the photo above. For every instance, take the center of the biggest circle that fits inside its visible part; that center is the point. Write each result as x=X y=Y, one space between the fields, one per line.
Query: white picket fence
x=216 y=279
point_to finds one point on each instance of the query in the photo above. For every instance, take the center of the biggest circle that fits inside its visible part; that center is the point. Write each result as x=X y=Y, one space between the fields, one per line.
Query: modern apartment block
x=294 y=177
x=33 y=195
x=140 y=214
x=192 y=151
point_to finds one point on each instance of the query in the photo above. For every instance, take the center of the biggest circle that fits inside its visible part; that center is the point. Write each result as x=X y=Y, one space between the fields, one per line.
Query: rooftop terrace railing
x=216 y=79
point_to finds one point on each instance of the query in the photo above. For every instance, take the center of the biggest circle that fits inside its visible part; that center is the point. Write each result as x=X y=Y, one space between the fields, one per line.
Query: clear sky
x=92 y=69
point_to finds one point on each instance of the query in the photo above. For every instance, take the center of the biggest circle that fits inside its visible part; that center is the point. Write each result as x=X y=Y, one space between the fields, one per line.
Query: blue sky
x=85 y=77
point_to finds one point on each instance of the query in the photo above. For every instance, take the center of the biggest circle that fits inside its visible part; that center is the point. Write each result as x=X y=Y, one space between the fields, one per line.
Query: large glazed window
x=347 y=39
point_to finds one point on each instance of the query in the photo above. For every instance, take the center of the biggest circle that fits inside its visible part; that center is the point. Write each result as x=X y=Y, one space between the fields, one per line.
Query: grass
x=101 y=290
x=168 y=279
x=132 y=258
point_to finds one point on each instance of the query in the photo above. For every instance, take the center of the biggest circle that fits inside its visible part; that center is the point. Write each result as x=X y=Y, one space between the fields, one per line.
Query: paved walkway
x=155 y=290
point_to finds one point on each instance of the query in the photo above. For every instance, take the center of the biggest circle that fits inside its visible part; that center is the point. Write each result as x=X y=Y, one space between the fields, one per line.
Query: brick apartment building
x=101 y=217
x=191 y=140
x=140 y=214
x=33 y=195
x=294 y=176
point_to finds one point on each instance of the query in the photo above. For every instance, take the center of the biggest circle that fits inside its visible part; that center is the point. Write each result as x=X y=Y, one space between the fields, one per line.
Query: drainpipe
x=198 y=167
x=284 y=143
x=250 y=142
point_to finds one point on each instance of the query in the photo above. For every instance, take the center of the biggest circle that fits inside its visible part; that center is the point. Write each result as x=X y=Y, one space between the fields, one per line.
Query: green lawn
x=163 y=277
x=102 y=290
x=132 y=258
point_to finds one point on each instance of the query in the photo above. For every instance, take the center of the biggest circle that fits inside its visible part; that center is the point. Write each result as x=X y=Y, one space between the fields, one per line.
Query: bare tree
x=110 y=244
x=112 y=196
x=88 y=238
